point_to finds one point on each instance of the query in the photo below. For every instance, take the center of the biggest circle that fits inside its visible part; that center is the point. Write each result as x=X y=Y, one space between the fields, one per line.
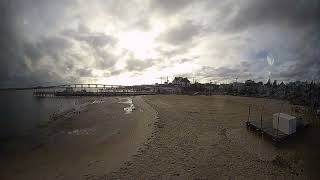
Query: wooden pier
x=93 y=90
x=56 y=94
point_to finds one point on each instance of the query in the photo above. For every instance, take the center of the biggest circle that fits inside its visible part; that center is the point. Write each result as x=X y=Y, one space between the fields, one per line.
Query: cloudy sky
x=46 y=42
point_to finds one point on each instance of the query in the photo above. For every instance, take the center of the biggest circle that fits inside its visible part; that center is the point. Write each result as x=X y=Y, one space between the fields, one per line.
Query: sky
x=45 y=42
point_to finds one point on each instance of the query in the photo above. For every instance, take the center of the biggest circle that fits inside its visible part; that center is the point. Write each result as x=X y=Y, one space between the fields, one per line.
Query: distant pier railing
x=93 y=90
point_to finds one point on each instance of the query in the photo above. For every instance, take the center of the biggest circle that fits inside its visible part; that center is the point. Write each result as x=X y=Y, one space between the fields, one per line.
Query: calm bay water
x=21 y=111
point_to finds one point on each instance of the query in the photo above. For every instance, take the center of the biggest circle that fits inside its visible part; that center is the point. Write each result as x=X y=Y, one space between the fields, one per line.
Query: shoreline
x=90 y=144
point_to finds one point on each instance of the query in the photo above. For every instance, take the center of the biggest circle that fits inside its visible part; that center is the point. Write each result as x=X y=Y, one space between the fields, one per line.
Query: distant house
x=181 y=82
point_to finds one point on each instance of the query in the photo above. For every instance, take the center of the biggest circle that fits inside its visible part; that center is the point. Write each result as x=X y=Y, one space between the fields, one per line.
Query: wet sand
x=165 y=137
x=88 y=144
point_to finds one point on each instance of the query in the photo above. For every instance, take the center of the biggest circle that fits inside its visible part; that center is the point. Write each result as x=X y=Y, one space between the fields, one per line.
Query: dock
x=57 y=94
x=265 y=129
x=93 y=90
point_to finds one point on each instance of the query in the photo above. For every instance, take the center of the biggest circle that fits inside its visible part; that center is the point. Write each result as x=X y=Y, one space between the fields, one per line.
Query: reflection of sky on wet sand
x=127 y=100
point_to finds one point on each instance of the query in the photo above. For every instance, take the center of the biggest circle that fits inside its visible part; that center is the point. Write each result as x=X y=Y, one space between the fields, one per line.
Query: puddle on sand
x=127 y=100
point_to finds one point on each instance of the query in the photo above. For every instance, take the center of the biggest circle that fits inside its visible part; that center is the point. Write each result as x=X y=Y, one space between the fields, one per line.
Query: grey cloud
x=94 y=39
x=174 y=52
x=181 y=34
x=84 y=72
x=47 y=46
x=122 y=9
x=299 y=13
x=244 y=70
x=307 y=63
x=170 y=6
x=97 y=42
x=138 y=65
x=143 y=23
x=104 y=60
x=116 y=72
x=222 y=72
x=33 y=33
x=184 y=60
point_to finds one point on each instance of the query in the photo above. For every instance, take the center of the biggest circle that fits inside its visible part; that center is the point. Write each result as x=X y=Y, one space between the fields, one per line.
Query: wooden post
x=249 y=113
x=261 y=117
x=278 y=120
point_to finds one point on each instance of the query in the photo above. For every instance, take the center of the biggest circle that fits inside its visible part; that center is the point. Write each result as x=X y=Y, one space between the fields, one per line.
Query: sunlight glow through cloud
x=140 y=43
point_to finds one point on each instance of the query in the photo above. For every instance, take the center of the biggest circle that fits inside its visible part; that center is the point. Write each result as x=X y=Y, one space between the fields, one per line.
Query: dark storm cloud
x=15 y=70
x=181 y=34
x=297 y=14
x=9 y=42
x=289 y=27
x=225 y=73
x=306 y=64
x=47 y=46
x=242 y=71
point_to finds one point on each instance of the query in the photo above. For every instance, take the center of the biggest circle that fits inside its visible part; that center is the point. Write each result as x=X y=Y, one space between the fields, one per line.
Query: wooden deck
x=57 y=94
x=265 y=128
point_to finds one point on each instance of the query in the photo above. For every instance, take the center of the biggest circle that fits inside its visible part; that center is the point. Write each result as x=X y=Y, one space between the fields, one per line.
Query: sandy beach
x=200 y=137
x=89 y=143
x=164 y=137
